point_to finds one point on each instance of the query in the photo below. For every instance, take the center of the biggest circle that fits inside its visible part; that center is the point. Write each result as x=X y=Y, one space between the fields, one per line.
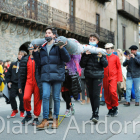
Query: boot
x=50 y=115
x=127 y=104
x=110 y=113
x=55 y=124
x=44 y=124
x=115 y=112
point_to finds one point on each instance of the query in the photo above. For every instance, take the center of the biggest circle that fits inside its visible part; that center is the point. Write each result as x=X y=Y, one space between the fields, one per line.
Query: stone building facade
x=128 y=27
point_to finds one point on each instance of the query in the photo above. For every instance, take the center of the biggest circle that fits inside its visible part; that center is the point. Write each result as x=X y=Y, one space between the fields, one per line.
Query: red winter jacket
x=113 y=70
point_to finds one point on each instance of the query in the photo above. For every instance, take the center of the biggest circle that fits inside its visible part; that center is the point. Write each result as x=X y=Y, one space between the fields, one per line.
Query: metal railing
x=126 y=6
x=42 y=13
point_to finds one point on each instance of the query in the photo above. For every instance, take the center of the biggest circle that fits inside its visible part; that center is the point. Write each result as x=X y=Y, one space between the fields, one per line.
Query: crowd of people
x=49 y=70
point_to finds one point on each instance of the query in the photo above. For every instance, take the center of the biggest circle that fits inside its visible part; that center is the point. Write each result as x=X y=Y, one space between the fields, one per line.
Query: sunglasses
x=107 y=48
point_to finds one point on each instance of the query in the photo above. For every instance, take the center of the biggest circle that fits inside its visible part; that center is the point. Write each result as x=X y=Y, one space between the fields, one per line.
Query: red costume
x=31 y=87
x=112 y=75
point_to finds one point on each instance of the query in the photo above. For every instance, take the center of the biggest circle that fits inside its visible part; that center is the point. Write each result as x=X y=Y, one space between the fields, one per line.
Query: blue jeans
x=129 y=83
x=103 y=99
x=56 y=87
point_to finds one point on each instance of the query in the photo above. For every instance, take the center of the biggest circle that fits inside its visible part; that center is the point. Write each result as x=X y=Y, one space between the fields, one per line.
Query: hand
x=35 y=50
x=128 y=57
x=99 y=55
x=88 y=52
x=9 y=84
x=20 y=91
x=63 y=45
x=118 y=82
x=132 y=55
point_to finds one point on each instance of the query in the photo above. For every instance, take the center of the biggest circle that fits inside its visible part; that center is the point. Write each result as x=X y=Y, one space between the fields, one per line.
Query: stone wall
x=11 y=42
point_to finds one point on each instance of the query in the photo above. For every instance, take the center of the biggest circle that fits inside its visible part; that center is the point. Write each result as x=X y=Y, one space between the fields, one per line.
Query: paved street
x=83 y=113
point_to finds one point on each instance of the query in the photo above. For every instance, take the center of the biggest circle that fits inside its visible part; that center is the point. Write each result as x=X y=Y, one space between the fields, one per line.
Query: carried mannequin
x=72 y=46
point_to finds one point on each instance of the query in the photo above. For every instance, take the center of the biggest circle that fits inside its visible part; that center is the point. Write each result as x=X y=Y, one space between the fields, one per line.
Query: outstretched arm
x=36 y=56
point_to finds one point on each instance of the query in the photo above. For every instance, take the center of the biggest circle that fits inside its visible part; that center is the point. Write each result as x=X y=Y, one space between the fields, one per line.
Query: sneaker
x=110 y=113
x=35 y=122
x=91 y=118
x=95 y=119
x=22 y=114
x=27 y=119
x=67 y=113
x=115 y=112
x=72 y=109
x=14 y=112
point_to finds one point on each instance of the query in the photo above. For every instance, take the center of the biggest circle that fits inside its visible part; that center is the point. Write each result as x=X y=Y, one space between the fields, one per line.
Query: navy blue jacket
x=133 y=66
x=52 y=66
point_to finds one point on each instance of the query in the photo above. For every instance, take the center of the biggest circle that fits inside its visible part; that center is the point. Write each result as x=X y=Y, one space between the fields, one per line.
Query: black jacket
x=133 y=66
x=11 y=75
x=23 y=75
x=94 y=66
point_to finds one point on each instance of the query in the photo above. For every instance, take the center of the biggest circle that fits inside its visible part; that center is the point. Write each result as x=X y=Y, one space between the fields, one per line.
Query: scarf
x=109 y=54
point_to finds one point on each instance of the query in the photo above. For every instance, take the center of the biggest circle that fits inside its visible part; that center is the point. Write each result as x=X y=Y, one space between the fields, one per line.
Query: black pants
x=13 y=93
x=94 y=87
x=67 y=99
